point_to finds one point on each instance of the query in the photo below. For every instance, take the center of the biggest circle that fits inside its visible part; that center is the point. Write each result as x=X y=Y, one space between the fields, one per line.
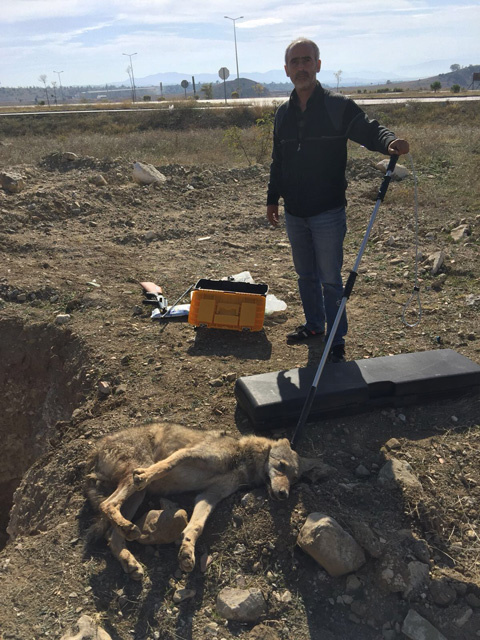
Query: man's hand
x=398 y=147
x=272 y=214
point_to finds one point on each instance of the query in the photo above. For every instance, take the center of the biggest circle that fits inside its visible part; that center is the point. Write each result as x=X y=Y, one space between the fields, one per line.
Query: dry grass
x=441 y=137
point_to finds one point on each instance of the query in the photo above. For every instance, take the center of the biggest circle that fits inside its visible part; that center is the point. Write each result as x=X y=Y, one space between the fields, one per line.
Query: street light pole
x=130 y=55
x=60 y=83
x=235 y=40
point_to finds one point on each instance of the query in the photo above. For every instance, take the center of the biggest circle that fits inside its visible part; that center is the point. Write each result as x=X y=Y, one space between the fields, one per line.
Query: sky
x=79 y=42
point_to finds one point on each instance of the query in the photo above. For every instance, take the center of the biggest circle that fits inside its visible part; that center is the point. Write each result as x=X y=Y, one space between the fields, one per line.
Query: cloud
x=259 y=22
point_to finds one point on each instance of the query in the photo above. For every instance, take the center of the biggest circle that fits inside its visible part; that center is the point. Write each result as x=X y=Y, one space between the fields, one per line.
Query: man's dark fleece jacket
x=310 y=151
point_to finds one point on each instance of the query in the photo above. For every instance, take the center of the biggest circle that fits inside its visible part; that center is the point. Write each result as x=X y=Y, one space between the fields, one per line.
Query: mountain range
x=326 y=76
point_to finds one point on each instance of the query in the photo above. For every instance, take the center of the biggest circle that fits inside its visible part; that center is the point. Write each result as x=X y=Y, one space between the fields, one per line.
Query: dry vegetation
x=68 y=245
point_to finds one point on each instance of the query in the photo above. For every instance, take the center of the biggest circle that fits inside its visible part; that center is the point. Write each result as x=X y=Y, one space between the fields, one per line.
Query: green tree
x=455 y=67
x=455 y=88
x=207 y=90
x=435 y=86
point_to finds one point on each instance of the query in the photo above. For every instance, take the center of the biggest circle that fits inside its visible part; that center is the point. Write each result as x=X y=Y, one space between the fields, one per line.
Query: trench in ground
x=42 y=377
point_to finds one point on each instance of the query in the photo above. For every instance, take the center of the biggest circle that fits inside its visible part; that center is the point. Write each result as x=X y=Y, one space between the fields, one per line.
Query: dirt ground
x=74 y=244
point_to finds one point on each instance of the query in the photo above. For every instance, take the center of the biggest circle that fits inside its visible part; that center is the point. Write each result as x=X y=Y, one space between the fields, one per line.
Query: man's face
x=301 y=67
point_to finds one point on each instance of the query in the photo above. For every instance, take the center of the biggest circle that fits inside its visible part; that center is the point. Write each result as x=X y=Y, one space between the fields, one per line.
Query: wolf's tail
x=96 y=492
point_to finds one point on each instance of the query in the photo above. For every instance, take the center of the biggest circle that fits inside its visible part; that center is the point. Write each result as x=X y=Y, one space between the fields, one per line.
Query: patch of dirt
x=71 y=247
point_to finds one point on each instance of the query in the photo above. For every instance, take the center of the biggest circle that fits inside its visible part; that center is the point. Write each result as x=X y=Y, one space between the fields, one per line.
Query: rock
x=147 y=174
x=99 y=180
x=242 y=605
x=472 y=600
x=459 y=233
x=392 y=576
x=12 y=182
x=418 y=576
x=162 y=526
x=150 y=236
x=366 y=538
x=463 y=618
x=353 y=584
x=262 y=632
x=104 y=388
x=442 y=593
x=362 y=472
x=416 y=627
x=181 y=595
x=88 y=630
x=399 y=172
x=420 y=550
x=332 y=547
x=393 y=443
x=63 y=318
x=69 y=156
x=399 y=472
x=437 y=259
x=121 y=389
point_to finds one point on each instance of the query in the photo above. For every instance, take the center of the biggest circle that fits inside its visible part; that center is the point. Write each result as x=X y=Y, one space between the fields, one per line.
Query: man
x=308 y=171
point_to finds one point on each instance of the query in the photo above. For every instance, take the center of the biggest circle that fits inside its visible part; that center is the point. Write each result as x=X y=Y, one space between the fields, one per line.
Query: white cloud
x=259 y=22
x=195 y=37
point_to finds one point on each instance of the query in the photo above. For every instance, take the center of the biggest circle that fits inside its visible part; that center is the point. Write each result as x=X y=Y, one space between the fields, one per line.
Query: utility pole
x=235 y=40
x=130 y=55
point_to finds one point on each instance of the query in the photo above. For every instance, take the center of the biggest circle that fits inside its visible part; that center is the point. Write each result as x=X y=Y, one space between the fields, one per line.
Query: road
x=208 y=104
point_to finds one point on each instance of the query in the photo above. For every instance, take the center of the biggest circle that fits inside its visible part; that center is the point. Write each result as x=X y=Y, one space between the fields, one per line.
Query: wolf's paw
x=131 y=566
x=186 y=557
x=140 y=479
x=131 y=532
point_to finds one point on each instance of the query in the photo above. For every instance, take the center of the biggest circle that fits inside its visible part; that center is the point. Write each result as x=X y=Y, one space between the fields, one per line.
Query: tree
x=455 y=88
x=435 y=86
x=338 y=75
x=207 y=90
x=43 y=78
x=455 y=67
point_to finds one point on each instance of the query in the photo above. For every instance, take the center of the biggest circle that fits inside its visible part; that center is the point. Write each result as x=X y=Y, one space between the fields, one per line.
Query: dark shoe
x=337 y=353
x=301 y=333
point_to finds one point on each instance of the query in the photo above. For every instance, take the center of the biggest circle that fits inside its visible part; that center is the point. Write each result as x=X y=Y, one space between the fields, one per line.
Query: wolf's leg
x=205 y=503
x=143 y=477
x=110 y=508
x=116 y=540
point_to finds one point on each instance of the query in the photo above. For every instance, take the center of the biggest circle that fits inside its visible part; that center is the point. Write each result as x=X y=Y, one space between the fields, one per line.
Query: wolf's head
x=285 y=466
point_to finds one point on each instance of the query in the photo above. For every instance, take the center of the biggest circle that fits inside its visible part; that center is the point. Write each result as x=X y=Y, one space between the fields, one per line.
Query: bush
x=147 y=98
x=455 y=88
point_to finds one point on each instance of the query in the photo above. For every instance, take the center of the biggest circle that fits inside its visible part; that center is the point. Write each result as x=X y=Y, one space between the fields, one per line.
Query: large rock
x=437 y=259
x=399 y=172
x=461 y=232
x=242 y=605
x=330 y=545
x=12 y=182
x=417 y=628
x=400 y=473
x=147 y=174
x=88 y=630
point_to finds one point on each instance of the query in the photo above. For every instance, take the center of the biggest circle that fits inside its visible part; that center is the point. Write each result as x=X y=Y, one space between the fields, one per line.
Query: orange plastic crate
x=221 y=304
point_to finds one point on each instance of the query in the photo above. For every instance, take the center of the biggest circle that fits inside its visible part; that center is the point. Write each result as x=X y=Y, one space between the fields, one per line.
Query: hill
x=462 y=77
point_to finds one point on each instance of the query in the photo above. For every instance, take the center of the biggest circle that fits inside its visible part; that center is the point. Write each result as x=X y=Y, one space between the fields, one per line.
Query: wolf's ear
x=314 y=468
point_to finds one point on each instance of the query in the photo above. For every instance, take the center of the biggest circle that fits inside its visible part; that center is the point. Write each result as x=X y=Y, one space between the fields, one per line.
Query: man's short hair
x=312 y=44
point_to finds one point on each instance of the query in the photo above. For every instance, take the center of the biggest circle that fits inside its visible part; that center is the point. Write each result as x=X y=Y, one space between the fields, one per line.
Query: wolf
x=167 y=459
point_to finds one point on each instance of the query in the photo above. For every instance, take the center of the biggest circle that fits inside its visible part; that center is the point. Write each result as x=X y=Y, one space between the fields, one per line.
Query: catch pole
x=346 y=294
